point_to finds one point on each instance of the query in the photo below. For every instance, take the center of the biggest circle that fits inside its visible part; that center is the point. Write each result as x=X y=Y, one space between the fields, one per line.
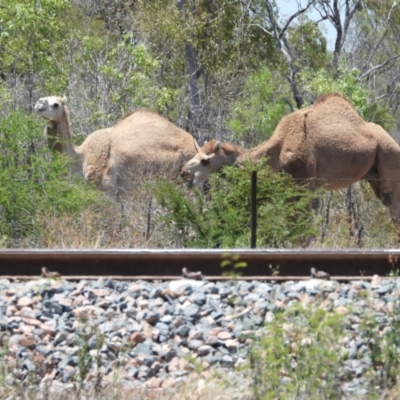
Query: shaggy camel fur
x=112 y=157
x=327 y=144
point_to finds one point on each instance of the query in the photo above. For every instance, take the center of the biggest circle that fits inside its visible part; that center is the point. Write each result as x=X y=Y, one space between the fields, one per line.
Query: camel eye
x=205 y=161
x=55 y=105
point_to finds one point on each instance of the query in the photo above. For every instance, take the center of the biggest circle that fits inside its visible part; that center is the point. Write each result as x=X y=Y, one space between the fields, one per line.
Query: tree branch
x=379 y=66
x=295 y=15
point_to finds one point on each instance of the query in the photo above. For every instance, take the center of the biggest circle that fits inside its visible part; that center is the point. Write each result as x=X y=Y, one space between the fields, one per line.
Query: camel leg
x=109 y=183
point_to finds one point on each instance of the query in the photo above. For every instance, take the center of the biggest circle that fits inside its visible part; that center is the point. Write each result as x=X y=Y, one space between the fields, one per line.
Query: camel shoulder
x=96 y=151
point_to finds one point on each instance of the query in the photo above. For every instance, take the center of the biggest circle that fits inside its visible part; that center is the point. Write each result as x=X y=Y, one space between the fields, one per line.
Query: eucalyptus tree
x=207 y=49
x=374 y=50
x=32 y=35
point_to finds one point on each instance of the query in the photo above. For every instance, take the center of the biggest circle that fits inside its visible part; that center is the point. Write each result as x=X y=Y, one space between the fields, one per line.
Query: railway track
x=268 y=264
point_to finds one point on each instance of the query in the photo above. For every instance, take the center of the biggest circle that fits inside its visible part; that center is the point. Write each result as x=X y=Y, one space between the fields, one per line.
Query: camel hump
x=141 y=113
x=333 y=97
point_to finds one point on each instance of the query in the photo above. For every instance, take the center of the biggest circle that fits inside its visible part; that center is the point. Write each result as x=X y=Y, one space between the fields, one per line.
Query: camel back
x=335 y=97
x=139 y=110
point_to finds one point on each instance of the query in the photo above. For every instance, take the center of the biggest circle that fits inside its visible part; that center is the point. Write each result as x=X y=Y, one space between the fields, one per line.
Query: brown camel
x=327 y=144
x=112 y=157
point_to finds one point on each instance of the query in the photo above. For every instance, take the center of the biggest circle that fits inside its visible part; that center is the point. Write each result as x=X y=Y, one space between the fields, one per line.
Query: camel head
x=389 y=194
x=51 y=108
x=205 y=162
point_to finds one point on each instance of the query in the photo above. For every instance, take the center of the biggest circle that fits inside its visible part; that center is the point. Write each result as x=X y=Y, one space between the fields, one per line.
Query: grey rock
x=195 y=344
x=148 y=360
x=152 y=318
x=251 y=298
x=144 y=347
x=29 y=365
x=45 y=350
x=168 y=354
x=60 y=337
x=68 y=374
x=352 y=350
x=69 y=360
x=183 y=330
x=141 y=315
x=162 y=338
x=226 y=360
x=53 y=307
x=204 y=350
x=198 y=299
x=196 y=333
x=166 y=319
x=155 y=292
x=192 y=310
x=132 y=372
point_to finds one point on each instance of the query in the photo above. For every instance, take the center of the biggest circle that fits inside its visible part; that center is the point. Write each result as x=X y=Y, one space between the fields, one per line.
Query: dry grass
x=354 y=218
x=345 y=219
x=194 y=387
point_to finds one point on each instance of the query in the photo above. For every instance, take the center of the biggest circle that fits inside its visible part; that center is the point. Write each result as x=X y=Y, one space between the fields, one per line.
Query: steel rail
x=154 y=264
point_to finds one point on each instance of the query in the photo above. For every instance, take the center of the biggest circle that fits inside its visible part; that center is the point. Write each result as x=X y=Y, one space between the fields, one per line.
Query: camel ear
x=217 y=146
x=196 y=145
x=65 y=99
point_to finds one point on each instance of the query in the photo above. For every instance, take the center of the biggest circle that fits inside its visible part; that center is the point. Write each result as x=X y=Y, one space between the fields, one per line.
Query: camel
x=325 y=145
x=141 y=141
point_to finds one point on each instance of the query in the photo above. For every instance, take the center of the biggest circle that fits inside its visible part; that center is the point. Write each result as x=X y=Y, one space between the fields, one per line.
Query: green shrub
x=256 y=114
x=34 y=183
x=222 y=218
x=298 y=357
x=384 y=345
x=350 y=85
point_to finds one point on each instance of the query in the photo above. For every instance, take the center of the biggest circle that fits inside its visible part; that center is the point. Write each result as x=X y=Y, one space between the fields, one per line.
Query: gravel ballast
x=152 y=335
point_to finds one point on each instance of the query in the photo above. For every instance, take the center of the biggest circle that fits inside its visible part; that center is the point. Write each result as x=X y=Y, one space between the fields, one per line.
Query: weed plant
x=383 y=341
x=298 y=357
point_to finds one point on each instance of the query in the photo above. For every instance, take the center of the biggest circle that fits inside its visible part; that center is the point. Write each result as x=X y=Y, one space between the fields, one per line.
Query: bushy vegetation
x=34 y=184
x=217 y=69
x=222 y=217
x=301 y=355
x=298 y=357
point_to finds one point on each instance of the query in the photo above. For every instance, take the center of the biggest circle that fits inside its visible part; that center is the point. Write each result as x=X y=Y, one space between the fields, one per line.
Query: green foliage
x=33 y=183
x=349 y=84
x=32 y=34
x=384 y=346
x=133 y=81
x=220 y=32
x=346 y=83
x=258 y=111
x=308 y=45
x=298 y=357
x=222 y=219
x=234 y=264
x=85 y=360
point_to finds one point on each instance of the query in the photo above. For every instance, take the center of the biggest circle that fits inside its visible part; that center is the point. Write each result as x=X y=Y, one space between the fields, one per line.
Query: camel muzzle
x=40 y=107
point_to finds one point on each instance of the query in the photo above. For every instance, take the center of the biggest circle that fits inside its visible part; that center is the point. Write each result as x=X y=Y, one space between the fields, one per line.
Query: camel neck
x=59 y=136
x=268 y=150
x=59 y=140
x=230 y=153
